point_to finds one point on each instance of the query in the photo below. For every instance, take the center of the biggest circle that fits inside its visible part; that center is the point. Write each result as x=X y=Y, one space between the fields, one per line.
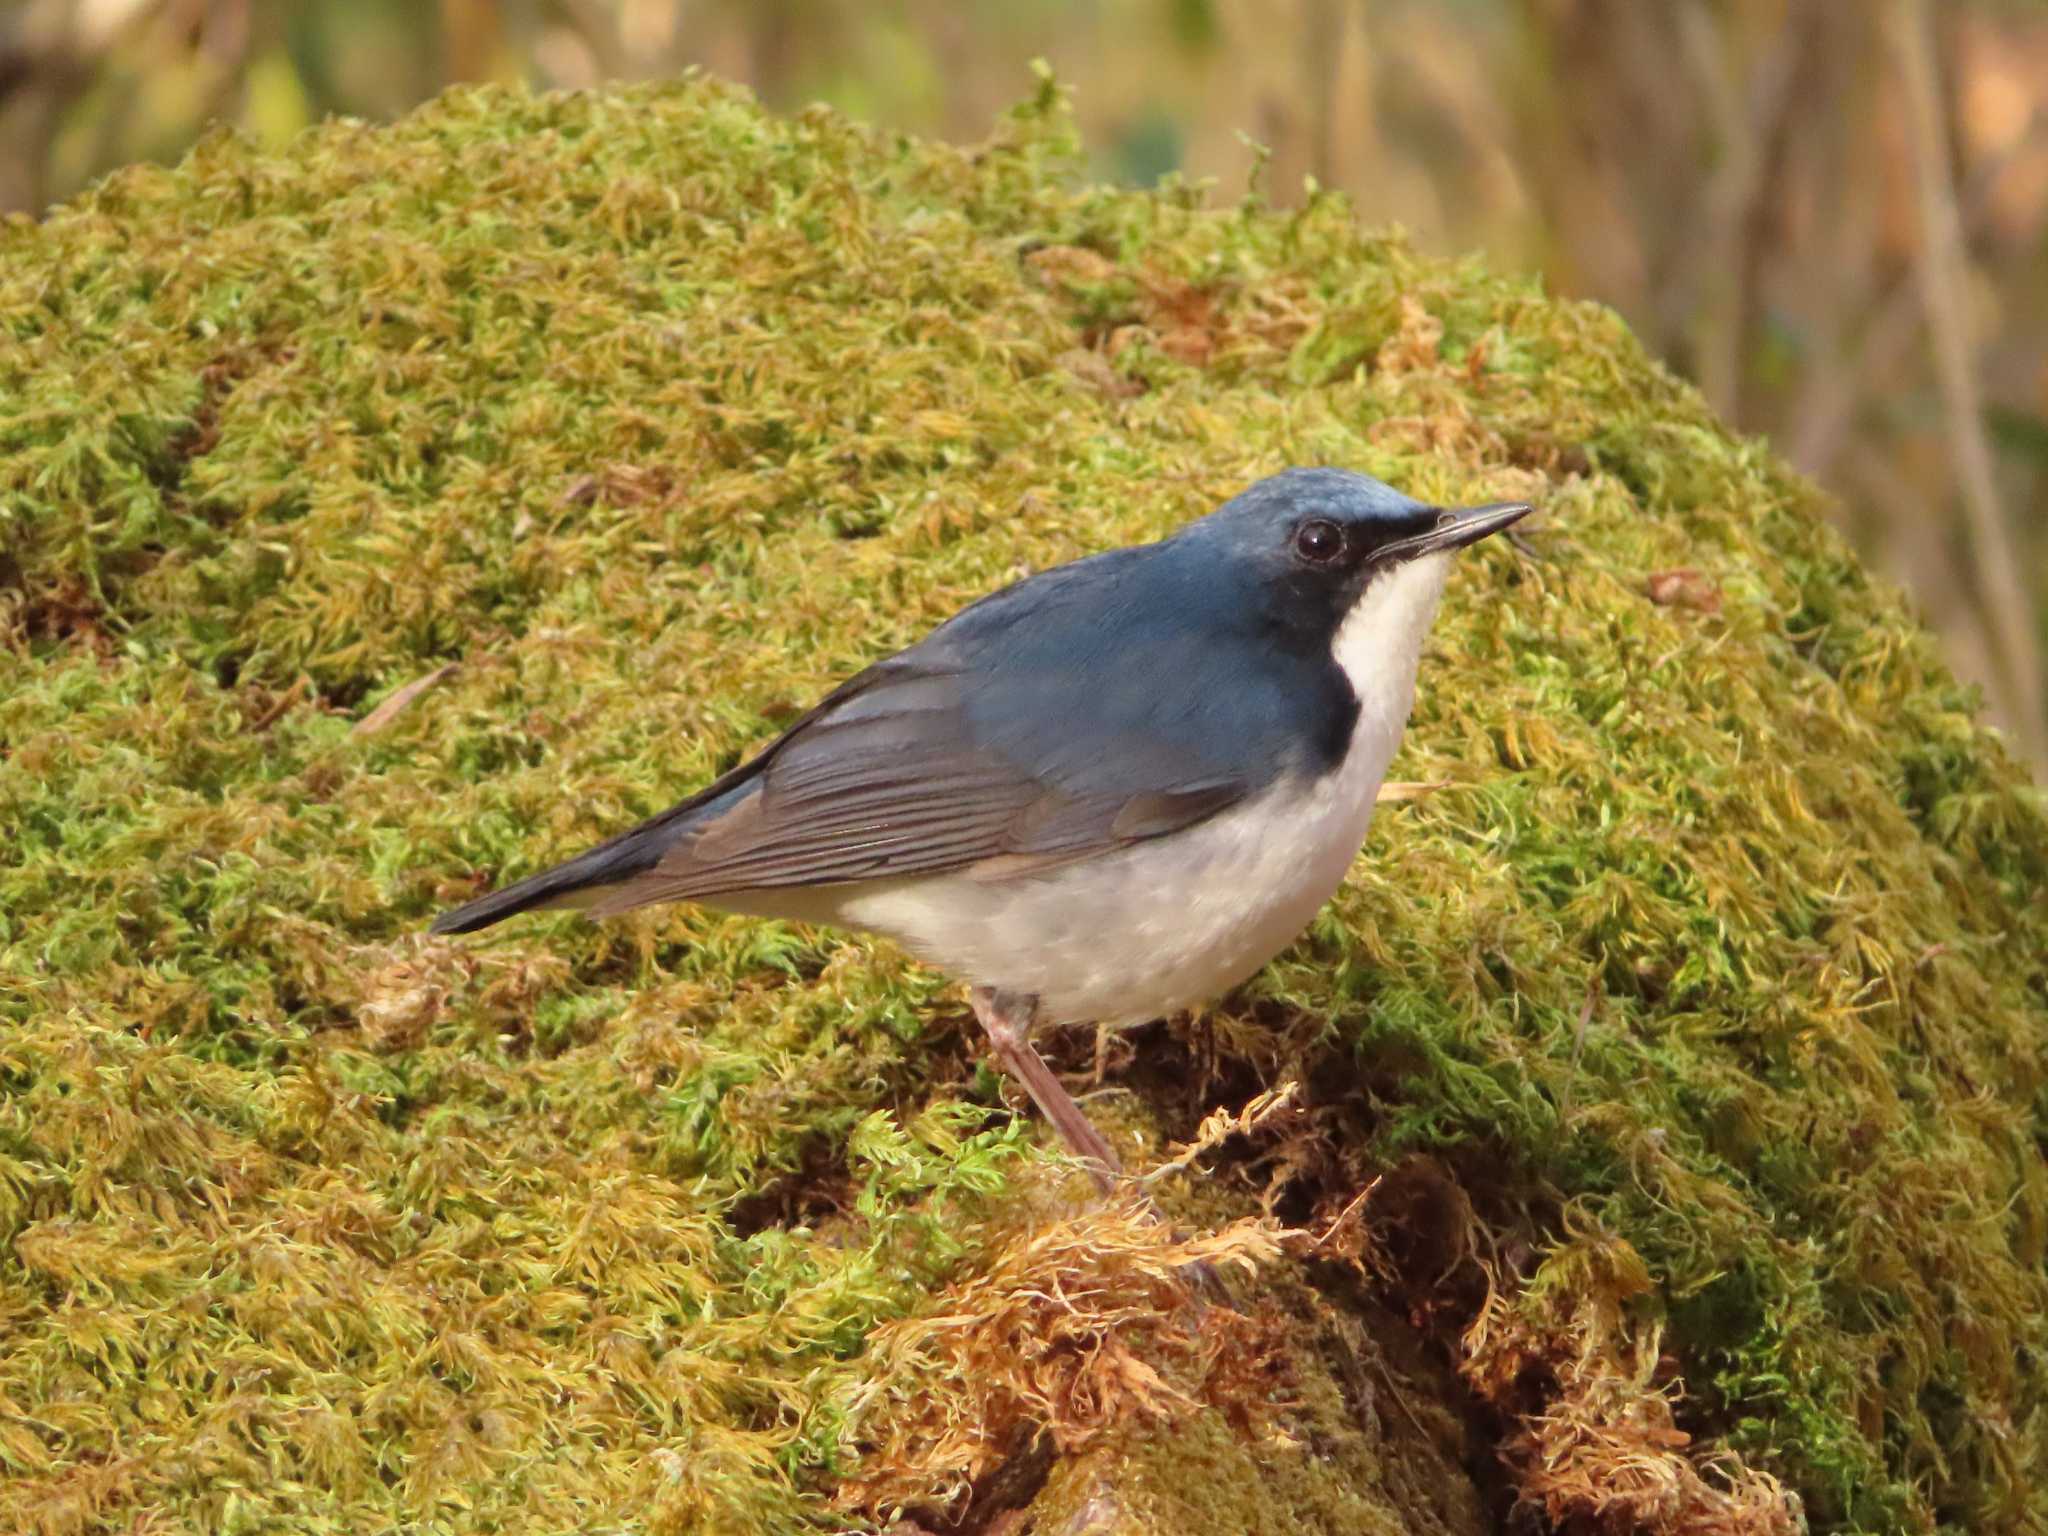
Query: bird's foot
x=1007 y=1018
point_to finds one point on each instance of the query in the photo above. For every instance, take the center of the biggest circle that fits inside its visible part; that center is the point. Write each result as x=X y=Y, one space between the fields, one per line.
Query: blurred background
x=1828 y=213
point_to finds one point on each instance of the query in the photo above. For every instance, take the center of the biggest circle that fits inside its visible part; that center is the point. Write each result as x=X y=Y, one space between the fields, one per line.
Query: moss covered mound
x=1665 y=1149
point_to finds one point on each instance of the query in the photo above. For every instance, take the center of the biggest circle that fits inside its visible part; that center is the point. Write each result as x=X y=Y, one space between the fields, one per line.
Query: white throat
x=1379 y=646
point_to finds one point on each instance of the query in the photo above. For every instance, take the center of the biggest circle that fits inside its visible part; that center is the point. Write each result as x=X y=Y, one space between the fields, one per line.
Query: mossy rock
x=1665 y=1149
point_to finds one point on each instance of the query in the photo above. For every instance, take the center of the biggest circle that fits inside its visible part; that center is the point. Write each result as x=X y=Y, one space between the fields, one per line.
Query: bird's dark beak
x=1455 y=527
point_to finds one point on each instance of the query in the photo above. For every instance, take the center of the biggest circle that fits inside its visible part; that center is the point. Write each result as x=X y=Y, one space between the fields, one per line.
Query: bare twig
x=1943 y=277
x=1410 y=789
x=1827 y=409
x=396 y=701
x=598 y=26
x=472 y=33
x=1752 y=126
x=1344 y=1215
x=1220 y=1125
x=1321 y=40
x=50 y=54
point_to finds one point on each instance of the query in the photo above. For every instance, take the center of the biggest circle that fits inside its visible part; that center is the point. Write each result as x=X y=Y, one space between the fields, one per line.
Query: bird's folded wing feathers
x=888 y=778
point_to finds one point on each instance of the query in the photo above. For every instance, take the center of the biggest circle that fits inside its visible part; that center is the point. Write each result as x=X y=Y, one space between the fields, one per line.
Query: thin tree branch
x=1941 y=263
x=1726 y=260
x=1827 y=410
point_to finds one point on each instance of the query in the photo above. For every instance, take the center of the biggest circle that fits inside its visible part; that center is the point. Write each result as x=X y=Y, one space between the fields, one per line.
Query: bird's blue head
x=1323 y=550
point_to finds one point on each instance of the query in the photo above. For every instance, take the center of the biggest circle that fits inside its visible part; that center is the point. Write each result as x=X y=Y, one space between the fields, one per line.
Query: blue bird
x=1109 y=791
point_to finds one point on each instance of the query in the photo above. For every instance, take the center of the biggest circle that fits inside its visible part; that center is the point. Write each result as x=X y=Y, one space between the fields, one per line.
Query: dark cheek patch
x=1332 y=709
x=1339 y=721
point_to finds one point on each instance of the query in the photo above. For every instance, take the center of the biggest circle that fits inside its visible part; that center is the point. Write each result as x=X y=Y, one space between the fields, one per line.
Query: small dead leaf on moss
x=1533 y=448
x=1178 y=303
x=1071 y=266
x=619 y=485
x=1188 y=344
x=1685 y=587
x=1186 y=319
x=1397 y=790
x=1094 y=369
x=394 y=704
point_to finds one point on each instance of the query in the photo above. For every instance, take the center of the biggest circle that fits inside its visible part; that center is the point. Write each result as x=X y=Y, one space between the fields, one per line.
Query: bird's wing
x=894 y=775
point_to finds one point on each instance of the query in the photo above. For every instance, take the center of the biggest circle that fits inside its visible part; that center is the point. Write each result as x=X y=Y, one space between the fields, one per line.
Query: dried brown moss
x=1600 y=1448
x=1080 y=1326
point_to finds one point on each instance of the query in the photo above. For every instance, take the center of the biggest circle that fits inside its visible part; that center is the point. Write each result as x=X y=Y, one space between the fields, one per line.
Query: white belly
x=1140 y=933
x=1132 y=935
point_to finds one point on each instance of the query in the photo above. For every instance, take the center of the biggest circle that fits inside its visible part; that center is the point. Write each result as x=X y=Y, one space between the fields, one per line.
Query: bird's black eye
x=1319 y=542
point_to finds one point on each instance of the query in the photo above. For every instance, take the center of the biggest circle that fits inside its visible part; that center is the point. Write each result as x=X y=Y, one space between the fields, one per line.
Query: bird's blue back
x=1158 y=664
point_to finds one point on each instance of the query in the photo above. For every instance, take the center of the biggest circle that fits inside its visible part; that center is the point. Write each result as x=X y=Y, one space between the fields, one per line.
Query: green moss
x=658 y=415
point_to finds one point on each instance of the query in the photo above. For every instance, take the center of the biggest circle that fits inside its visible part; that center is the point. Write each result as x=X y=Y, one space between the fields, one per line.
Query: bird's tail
x=557 y=887
x=578 y=882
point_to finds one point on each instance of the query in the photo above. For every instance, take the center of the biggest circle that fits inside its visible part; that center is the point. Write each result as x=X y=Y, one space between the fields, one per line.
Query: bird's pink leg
x=1007 y=1017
